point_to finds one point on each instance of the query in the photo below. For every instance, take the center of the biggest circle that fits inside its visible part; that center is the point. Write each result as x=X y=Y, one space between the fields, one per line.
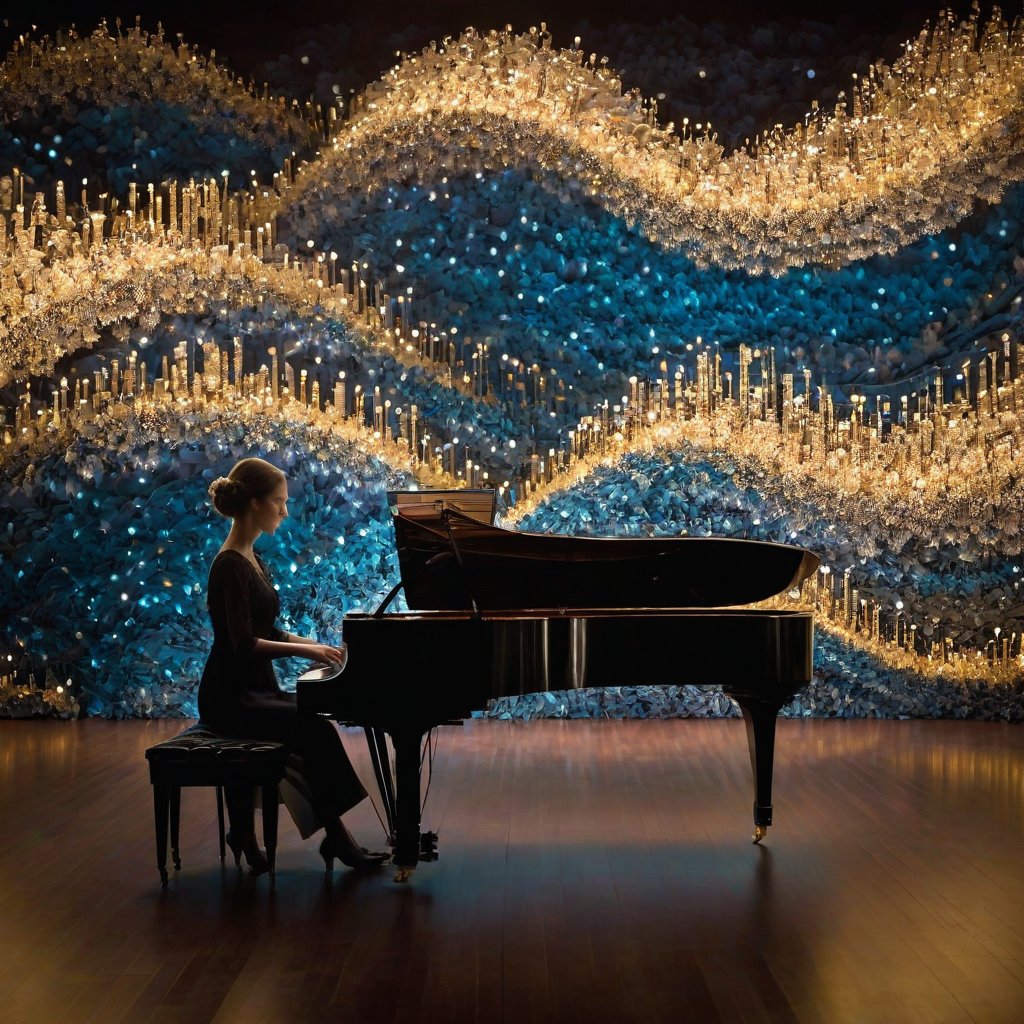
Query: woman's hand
x=325 y=653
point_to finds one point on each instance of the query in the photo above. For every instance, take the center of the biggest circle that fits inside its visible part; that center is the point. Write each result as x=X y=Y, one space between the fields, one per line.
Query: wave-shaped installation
x=805 y=456
x=548 y=276
x=906 y=156
x=158 y=335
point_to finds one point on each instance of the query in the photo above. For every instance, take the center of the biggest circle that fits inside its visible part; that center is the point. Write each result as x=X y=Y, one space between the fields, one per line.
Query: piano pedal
x=428 y=846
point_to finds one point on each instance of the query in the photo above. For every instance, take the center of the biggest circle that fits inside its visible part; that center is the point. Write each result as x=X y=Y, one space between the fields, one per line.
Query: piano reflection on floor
x=500 y=613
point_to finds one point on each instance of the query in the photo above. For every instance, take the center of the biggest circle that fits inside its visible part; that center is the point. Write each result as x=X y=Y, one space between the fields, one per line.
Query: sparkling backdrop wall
x=495 y=266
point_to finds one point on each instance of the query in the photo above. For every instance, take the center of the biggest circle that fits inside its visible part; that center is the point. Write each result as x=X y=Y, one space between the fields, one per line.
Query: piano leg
x=377 y=743
x=408 y=744
x=759 y=714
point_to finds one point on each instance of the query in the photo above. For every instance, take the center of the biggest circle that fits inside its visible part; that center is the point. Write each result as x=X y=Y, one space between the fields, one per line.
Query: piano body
x=507 y=613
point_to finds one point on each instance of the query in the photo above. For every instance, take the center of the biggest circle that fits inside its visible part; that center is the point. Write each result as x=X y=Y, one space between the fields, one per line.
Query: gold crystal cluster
x=104 y=68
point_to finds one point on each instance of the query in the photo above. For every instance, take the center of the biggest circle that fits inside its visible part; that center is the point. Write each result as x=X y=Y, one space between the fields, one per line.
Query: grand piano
x=496 y=613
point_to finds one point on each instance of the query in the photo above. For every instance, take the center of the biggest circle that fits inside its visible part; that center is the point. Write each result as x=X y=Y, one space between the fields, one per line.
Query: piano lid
x=452 y=561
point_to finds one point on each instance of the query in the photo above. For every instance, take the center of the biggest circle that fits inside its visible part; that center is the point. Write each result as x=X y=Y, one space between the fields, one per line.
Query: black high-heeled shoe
x=258 y=864
x=350 y=854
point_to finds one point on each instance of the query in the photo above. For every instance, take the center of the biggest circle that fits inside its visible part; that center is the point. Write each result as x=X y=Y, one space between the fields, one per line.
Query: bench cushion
x=200 y=757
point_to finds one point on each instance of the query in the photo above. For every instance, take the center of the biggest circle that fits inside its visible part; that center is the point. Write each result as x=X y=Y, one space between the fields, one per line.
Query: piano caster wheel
x=760 y=831
x=404 y=874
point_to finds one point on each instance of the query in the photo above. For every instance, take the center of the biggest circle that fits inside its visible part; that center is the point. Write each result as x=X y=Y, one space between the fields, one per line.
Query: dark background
x=246 y=34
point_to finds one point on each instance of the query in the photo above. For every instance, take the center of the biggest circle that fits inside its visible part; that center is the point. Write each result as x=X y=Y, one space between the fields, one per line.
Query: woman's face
x=269 y=511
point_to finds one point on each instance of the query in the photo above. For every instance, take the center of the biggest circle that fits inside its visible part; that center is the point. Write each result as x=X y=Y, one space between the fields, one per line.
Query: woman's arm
x=291 y=638
x=229 y=585
x=298 y=647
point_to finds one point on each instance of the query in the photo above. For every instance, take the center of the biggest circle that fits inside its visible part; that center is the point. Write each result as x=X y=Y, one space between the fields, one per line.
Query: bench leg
x=220 y=819
x=269 y=799
x=161 y=812
x=175 y=822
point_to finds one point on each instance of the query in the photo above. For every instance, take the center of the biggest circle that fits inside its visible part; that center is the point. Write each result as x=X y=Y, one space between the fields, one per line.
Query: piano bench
x=201 y=757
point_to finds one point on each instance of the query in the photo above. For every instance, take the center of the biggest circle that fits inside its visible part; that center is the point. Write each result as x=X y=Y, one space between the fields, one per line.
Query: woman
x=239 y=695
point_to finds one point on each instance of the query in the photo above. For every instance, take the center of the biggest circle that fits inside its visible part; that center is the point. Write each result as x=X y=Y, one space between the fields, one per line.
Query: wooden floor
x=589 y=871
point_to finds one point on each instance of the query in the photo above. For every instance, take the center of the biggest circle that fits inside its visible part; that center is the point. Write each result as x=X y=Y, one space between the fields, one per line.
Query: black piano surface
x=450 y=561
x=509 y=613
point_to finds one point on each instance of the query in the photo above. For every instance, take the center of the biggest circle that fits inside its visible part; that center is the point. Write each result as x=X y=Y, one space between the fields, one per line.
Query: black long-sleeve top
x=243 y=607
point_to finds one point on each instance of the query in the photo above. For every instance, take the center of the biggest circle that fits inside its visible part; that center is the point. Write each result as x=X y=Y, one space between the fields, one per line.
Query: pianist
x=239 y=694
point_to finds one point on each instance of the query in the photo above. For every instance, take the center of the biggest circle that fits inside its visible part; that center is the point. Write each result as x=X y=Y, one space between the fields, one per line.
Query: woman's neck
x=241 y=538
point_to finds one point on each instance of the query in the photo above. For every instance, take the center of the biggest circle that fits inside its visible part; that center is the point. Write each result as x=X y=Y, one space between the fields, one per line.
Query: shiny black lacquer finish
x=454 y=562
x=407 y=673
x=511 y=613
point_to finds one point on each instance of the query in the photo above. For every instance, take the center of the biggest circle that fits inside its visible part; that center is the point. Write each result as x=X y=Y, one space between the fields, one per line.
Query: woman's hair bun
x=250 y=478
x=229 y=497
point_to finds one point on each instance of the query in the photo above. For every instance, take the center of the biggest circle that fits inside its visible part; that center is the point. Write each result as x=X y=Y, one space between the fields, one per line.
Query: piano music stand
x=479 y=505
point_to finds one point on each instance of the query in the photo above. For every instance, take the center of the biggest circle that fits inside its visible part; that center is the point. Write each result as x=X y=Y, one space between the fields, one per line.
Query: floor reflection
x=588 y=870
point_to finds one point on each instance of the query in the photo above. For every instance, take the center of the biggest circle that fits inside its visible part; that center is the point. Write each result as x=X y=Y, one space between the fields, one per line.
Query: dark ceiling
x=243 y=33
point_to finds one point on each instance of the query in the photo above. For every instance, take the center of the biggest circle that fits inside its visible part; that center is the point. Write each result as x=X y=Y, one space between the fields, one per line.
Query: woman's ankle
x=339 y=836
